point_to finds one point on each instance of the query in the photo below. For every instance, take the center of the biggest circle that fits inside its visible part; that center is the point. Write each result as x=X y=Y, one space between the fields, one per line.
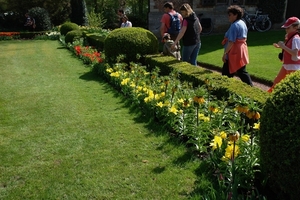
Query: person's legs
x=186 y=53
x=281 y=75
x=244 y=76
x=194 y=54
x=225 y=70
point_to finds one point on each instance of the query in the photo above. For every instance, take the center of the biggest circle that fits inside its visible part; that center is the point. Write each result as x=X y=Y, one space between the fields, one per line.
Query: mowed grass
x=264 y=63
x=66 y=134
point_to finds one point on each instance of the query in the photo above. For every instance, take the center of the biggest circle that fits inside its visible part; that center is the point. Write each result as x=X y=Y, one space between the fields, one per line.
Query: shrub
x=68 y=26
x=42 y=19
x=279 y=137
x=96 y=19
x=72 y=36
x=130 y=42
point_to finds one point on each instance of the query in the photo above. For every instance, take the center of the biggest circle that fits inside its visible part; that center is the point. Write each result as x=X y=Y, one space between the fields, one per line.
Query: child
x=167 y=51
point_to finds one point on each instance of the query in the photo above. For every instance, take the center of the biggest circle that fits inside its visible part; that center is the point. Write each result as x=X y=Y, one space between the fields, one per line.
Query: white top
x=126 y=24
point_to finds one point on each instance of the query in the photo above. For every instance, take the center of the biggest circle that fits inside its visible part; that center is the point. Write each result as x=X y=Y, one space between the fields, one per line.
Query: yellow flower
x=139 y=88
x=216 y=142
x=146 y=99
x=256 y=126
x=223 y=135
x=229 y=152
x=213 y=109
x=162 y=94
x=132 y=84
x=160 y=104
x=125 y=81
x=109 y=70
x=115 y=74
x=167 y=103
x=180 y=100
x=173 y=110
x=245 y=138
x=203 y=117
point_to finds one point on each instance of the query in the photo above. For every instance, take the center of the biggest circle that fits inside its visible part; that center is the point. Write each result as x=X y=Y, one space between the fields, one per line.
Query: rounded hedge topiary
x=279 y=137
x=68 y=26
x=130 y=42
x=41 y=17
x=72 y=36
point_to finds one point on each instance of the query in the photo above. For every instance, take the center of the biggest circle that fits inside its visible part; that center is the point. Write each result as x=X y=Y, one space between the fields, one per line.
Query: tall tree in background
x=79 y=13
x=58 y=10
x=108 y=8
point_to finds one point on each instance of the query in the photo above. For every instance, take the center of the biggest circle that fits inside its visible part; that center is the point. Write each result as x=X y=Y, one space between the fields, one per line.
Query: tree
x=79 y=13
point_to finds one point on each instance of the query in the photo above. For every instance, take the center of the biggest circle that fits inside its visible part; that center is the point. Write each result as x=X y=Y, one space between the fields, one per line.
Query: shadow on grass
x=155 y=128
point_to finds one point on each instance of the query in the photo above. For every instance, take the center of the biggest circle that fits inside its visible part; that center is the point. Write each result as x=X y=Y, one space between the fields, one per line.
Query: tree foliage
x=58 y=10
x=79 y=13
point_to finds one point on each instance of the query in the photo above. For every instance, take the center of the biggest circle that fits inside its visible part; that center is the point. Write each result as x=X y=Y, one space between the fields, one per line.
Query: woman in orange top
x=235 y=56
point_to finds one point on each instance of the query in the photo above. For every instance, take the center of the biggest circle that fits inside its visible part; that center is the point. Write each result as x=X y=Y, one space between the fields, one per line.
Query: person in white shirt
x=125 y=23
x=290 y=55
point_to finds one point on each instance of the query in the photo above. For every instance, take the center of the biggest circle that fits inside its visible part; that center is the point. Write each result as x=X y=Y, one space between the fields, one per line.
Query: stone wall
x=217 y=12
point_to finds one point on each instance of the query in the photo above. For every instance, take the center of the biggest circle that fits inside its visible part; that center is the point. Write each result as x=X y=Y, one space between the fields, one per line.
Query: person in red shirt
x=166 y=19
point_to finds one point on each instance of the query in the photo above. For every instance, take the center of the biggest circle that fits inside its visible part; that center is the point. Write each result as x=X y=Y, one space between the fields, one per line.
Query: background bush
x=68 y=26
x=130 y=42
x=279 y=137
x=42 y=19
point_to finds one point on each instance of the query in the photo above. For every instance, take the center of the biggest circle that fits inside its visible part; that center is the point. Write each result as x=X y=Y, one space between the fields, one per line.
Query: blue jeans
x=190 y=53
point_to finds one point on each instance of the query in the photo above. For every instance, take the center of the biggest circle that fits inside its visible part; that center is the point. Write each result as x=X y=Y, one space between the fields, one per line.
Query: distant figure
x=167 y=51
x=125 y=22
x=33 y=23
x=120 y=15
x=30 y=23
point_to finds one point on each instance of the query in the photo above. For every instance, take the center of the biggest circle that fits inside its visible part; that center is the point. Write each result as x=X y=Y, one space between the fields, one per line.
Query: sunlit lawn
x=264 y=62
x=66 y=134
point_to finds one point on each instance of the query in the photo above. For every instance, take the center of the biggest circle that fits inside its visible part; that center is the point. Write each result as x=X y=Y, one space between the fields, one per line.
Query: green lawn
x=264 y=63
x=66 y=134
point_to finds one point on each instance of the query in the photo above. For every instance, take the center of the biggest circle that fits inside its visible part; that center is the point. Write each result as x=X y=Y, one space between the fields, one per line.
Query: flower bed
x=9 y=35
x=223 y=132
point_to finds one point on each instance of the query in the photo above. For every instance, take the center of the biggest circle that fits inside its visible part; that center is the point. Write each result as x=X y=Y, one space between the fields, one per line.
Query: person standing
x=125 y=22
x=29 y=23
x=120 y=15
x=190 y=34
x=235 y=57
x=290 y=50
x=166 y=19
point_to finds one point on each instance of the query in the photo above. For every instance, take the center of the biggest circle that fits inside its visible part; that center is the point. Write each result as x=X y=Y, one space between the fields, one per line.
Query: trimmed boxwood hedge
x=68 y=26
x=279 y=137
x=130 y=42
x=223 y=86
x=72 y=36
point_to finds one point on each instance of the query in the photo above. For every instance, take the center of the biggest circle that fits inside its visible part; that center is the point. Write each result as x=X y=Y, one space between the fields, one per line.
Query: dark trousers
x=242 y=73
